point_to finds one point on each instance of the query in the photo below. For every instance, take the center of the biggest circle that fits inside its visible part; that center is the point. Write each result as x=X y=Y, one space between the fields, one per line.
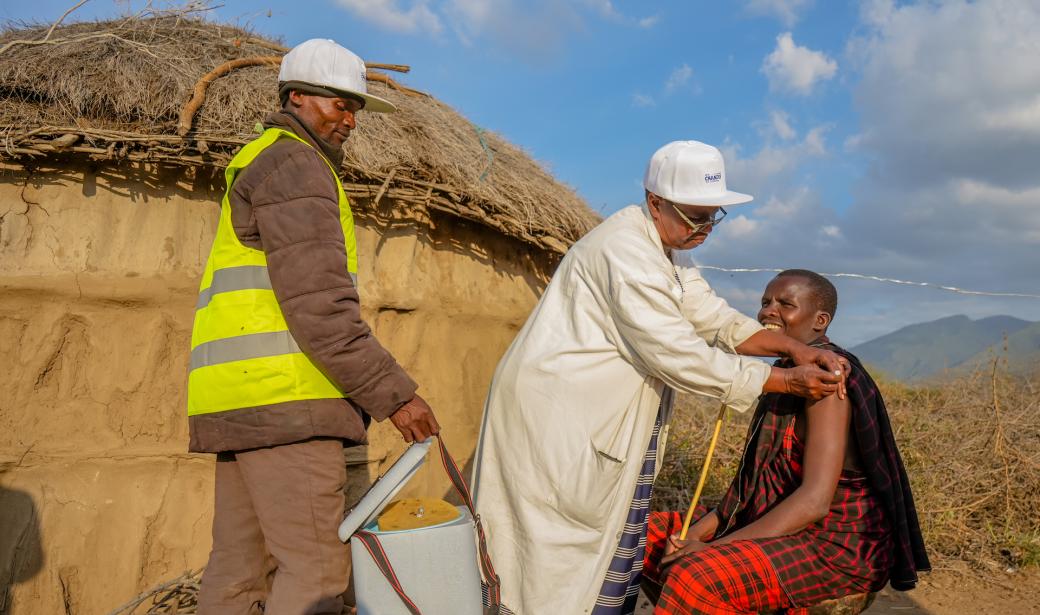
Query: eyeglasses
x=702 y=222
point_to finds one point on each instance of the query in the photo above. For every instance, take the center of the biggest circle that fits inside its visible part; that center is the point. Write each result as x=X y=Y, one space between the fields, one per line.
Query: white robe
x=573 y=402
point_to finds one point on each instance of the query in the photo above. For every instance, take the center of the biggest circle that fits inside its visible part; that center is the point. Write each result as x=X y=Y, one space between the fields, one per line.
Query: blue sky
x=895 y=139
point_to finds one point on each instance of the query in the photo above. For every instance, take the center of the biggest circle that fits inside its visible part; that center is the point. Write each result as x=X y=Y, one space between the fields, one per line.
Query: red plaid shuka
x=730 y=579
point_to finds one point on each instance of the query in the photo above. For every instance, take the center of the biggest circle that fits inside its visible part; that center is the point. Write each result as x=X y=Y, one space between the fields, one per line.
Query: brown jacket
x=285 y=203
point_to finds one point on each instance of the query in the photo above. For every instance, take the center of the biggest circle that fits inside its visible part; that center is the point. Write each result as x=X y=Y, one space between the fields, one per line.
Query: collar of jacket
x=651 y=232
x=289 y=121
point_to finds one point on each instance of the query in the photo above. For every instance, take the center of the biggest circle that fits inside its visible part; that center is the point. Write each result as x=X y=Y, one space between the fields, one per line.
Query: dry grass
x=971 y=447
x=113 y=90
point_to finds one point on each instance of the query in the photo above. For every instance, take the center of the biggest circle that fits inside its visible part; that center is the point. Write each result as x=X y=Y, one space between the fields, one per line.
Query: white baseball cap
x=324 y=63
x=691 y=173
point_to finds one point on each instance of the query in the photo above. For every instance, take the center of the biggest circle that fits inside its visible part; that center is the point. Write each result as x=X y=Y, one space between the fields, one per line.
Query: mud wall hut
x=107 y=211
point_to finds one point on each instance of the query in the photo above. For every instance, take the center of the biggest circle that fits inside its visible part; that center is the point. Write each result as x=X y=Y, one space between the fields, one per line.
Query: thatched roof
x=113 y=90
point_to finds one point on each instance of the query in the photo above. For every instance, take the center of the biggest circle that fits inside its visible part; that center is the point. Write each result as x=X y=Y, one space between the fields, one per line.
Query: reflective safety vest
x=242 y=354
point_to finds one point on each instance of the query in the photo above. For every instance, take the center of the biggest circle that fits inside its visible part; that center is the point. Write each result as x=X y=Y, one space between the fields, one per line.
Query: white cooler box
x=436 y=566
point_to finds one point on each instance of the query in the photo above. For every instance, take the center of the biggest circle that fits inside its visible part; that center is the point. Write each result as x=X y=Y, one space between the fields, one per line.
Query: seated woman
x=820 y=507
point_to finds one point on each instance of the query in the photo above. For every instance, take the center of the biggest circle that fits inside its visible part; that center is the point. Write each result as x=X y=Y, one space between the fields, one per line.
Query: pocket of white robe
x=592 y=487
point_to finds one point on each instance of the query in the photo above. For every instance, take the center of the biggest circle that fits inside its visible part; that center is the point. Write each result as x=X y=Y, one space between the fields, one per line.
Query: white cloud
x=852 y=143
x=781 y=125
x=814 y=144
x=831 y=230
x=742 y=227
x=795 y=69
x=680 y=77
x=642 y=100
x=787 y=11
x=759 y=171
x=1000 y=201
x=876 y=12
x=509 y=23
x=649 y=22
x=786 y=207
x=388 y=15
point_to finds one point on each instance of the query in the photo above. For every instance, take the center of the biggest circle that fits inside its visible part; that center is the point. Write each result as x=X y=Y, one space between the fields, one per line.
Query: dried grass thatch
x=113 y=90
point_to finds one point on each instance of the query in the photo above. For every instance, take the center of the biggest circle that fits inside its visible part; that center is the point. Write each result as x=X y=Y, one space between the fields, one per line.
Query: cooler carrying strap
x=488 y=570
x=375 y=549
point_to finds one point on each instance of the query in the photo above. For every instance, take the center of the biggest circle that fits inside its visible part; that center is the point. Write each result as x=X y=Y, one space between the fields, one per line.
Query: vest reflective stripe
x=234 y=278
x=243 y=354
x=243 y=347
x=240 y=278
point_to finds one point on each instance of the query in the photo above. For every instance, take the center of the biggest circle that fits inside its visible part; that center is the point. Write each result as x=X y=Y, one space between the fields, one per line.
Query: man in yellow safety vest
x=284 y=371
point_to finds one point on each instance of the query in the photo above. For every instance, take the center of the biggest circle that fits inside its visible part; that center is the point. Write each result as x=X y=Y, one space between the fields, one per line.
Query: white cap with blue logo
x=691 y=173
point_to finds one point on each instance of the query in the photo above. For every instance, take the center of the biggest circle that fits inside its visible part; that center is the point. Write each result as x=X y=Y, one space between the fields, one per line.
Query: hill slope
x=1023 y=350
x=918 y=351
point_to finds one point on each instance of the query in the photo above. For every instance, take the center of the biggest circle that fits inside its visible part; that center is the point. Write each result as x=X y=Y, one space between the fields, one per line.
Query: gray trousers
x=276 y=515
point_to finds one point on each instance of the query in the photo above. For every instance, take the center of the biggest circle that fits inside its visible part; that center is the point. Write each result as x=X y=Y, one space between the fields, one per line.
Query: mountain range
x=955 y=343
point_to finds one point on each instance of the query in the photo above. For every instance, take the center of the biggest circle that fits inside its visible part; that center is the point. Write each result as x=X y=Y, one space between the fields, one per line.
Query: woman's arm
x=766 y=343
x=705 y=527
x=775 y=344
x=826 y=439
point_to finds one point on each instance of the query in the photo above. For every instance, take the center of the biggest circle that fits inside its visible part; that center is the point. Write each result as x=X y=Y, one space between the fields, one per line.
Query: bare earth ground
x=955 y=592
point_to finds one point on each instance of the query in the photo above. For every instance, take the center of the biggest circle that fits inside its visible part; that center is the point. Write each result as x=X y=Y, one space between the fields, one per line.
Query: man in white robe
x=574 y=401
